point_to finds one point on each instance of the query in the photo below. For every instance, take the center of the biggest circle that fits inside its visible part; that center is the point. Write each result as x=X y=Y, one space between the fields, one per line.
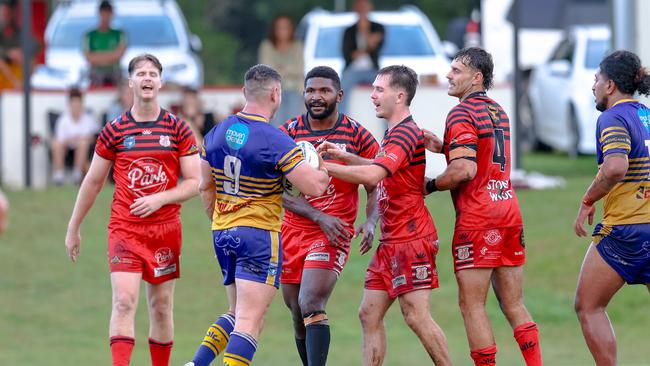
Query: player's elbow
x=614 y=174
x=614 y=171
x=319 y=185
x=205 y=186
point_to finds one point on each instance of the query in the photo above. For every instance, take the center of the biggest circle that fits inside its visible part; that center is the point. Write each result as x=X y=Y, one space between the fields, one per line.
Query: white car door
x=554 y=86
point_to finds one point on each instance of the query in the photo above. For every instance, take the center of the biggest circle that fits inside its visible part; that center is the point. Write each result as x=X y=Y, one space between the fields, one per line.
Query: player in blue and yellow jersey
x=620 y=249
x=244 y=160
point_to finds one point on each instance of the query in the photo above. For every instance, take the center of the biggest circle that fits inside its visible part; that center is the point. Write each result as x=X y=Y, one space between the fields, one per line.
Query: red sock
x=485 y=356
x=121 y=348
x=160 y=352
x=527 y=336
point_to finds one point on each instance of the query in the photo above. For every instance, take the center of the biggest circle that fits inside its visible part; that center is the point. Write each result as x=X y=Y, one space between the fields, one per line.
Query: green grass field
x=54 y=312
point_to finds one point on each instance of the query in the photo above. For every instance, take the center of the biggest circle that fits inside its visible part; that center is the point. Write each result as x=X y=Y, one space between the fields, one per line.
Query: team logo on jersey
x=164 y=141
x=494 y=113
x=193 y=149
x=324 y=201
x=147 y=176
x=382 y=199
x=421 y=273
x=462 y=252
x=394 y=265
x=643 y=193
x=237 y=135
x=129 y=142
x=644 y=116
x=163 y=256
x=273 y=269
x=115 y=260
x=340 y=258
x=146 y=132
x=492 y=237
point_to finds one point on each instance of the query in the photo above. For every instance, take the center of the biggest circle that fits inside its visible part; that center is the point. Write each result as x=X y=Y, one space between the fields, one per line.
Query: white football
x=311 y=157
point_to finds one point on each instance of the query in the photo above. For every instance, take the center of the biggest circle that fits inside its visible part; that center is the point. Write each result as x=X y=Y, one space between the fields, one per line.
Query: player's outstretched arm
x=207 y=188
x=368 y=175
x=611 y=172
x=334 y=152
x=90 y=188
x=308 y=180
x=186 y=189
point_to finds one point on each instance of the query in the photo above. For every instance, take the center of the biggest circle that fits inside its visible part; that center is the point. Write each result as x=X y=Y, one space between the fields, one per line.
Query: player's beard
x=326 y=113
x=601 y=105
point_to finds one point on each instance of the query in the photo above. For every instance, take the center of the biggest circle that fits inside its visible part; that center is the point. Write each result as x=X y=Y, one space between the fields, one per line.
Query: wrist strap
x=431 y=186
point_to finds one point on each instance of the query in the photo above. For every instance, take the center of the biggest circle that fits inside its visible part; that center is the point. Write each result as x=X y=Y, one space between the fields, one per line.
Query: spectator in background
x=11 y=54
x=191 y=110
x=122 y=103
x=362 y=42
x=103 y=48
x=4 y=211
x=283 y=52
x=75 y=129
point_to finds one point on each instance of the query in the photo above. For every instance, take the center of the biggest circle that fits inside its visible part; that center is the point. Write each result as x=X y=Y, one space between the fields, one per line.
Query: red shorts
x=305 y=248
x=151 y=249
x=398 y=268
x=489 y=248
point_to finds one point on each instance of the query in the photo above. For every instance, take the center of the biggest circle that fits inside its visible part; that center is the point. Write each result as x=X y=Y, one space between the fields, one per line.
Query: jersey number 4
x=499 y=152
x=232 y=170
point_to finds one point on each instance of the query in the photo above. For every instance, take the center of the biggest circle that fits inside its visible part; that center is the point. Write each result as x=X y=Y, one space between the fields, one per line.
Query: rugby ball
x=311 y=158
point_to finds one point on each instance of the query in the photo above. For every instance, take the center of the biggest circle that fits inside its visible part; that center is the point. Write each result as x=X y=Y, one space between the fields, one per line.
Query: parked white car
x=410 y=39
x=562 y=106
x=153 y=26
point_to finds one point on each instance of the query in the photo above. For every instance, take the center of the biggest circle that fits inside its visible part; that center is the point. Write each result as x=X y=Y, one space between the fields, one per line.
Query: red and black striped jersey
x=341 y=199
x=404 y=216
x=478 y=129
x=146 y=160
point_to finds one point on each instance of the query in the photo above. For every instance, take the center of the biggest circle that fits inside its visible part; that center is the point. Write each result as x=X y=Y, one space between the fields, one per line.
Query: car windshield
x=156 y=31
x=596 y=50
x=401 y=40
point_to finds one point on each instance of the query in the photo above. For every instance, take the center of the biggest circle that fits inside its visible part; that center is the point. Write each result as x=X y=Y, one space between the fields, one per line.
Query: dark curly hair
x=325 y=72
x=625 y=70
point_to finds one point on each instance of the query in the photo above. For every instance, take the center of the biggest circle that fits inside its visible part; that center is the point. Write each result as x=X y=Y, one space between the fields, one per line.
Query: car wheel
x=574 y=130
x=528 y=135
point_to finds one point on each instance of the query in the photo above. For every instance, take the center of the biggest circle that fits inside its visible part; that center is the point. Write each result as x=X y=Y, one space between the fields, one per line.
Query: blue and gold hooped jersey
x=625 y=128
x=248 y=158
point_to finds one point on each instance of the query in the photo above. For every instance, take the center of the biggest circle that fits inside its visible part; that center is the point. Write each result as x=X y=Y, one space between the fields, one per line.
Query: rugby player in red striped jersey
x=488 y=243
x=316 y=231
x=404 y=266
x=149 y=149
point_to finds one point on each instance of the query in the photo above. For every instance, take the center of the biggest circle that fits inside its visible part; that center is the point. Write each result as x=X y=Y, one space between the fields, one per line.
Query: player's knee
x=124 y=303
x=583 y=307
x=511 y=307
x=314 y=317
x=367 y=317
x=161 y=307
x=413 y=316
x=310 y=304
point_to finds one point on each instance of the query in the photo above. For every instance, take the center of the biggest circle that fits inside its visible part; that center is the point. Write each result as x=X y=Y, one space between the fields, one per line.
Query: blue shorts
x=249 y=253
x=626 y=248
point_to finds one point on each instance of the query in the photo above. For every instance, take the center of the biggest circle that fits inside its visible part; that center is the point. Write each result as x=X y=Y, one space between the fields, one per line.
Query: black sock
x=318 y=344
x=302 y=350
